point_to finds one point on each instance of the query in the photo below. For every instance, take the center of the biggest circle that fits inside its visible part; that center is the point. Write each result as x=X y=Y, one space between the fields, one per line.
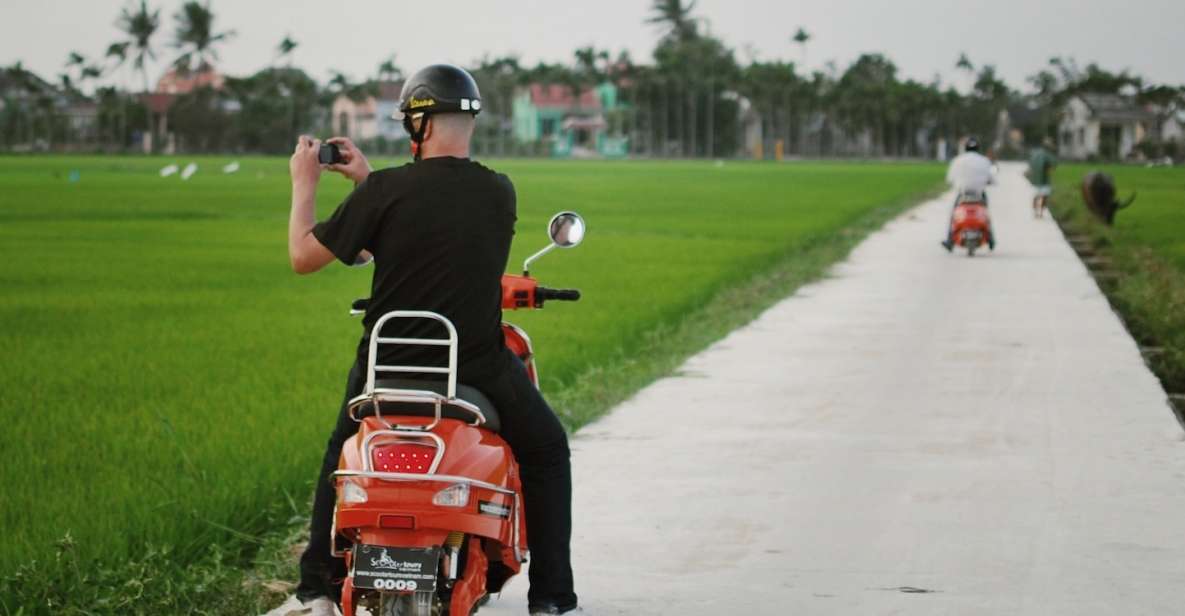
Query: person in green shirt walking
x=1041 y=164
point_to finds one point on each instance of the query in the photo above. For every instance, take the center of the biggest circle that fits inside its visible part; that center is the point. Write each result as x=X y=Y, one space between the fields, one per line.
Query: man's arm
x=305 y=253
x=952 y=171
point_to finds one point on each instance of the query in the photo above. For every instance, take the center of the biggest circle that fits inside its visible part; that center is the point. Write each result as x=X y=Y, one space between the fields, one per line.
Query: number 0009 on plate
x=400 y=569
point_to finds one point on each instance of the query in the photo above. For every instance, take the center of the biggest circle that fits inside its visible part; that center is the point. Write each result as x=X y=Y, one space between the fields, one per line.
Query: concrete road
x=922 y=433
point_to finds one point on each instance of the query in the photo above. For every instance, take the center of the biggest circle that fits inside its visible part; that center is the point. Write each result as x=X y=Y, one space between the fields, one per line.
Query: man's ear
x=428 y=126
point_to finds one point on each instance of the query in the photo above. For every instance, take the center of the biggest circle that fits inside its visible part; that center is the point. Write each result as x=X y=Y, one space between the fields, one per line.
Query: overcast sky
x=923 y=37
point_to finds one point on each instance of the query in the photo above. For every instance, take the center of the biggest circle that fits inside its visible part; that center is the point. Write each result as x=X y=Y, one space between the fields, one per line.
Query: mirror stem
x=532 y=258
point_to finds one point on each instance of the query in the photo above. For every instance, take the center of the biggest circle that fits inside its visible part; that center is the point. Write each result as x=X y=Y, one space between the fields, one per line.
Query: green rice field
x=168 y=382
x=1155 y=221
x=1146 y=249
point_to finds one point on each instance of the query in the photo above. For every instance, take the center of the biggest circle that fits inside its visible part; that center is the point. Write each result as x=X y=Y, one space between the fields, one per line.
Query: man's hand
x=355 y=167
x=303 y=166
x=305 y=253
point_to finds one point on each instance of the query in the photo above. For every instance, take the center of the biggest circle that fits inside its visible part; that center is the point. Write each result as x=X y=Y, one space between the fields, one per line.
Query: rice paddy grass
x=167 y=381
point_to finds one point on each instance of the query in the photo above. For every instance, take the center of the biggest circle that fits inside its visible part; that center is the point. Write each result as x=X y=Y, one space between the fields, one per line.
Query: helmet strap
x=417 y=139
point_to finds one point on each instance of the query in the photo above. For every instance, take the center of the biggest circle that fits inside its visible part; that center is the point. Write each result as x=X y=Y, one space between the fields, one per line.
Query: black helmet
x=440 y=88
x=972 y=145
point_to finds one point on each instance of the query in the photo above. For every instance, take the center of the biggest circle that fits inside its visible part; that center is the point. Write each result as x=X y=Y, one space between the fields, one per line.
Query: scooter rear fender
x=408 y=503
x=970 y=216
x=470 y=453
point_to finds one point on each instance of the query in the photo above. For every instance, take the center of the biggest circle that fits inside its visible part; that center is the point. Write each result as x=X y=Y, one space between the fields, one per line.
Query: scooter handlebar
x=543 y=294
x=540 y=295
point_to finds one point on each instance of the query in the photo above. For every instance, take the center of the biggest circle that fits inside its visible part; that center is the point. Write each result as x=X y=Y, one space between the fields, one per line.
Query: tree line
x=694 y=98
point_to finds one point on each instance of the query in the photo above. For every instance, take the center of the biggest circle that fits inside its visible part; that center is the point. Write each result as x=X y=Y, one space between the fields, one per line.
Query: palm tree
x=674 y=15
x=21 y=81
x=285 y=48
x=195 y=37
x=139 y=25
x=592 y=63
x=79 y=71
x=85 y=69
x=589 y=71
x=389 y=71
x=339 y=82
x=964 y=63
x=117 y=54
x=74 y=60
x=284 y=52
x=801 y=37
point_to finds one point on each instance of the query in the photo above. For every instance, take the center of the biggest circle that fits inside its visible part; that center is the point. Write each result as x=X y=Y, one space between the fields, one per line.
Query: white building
x=1173 y=127
x=1103 y=126
x=370 y=118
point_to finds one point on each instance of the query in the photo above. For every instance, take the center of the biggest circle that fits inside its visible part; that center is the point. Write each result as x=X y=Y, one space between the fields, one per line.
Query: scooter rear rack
x=378 y=395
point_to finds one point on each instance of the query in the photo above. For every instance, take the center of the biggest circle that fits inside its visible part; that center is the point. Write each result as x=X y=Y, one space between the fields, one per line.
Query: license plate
x=398 y=569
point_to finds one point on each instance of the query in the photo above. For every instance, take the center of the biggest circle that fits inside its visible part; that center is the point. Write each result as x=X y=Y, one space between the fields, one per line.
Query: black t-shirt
x=440 y=232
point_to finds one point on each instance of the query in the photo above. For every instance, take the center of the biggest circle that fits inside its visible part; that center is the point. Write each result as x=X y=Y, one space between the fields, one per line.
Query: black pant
x=540 y=445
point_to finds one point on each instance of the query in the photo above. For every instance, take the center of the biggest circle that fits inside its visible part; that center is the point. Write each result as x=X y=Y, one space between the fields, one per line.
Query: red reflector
x=407 y=522
x=402 y=457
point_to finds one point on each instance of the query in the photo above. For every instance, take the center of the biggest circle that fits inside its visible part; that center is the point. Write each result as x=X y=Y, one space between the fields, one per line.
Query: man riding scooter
x=439 y=230
x=970 y=173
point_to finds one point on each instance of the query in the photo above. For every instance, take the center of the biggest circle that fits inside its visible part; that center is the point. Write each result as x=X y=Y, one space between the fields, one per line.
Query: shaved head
x=450 y=126
x=448 y=134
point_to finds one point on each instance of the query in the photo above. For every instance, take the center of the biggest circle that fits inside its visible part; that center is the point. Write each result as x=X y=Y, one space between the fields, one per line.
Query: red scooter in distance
x=428 y=494
x=970 y=225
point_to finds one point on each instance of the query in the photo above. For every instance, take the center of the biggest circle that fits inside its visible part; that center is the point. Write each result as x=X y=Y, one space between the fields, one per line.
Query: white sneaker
x=291 y=607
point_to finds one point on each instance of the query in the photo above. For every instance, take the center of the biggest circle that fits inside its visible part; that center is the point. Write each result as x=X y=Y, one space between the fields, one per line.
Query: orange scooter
x=971 y=227
x=428 y=494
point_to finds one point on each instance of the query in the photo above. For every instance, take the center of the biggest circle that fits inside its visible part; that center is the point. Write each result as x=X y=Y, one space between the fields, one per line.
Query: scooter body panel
x=971 y=225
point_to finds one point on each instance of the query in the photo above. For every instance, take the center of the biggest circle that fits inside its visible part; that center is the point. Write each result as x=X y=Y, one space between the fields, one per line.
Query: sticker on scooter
x=395 y=569
x=494 y=509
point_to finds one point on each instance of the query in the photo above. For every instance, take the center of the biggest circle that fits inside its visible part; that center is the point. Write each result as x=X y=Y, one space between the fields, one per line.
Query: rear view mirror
x=566 y=229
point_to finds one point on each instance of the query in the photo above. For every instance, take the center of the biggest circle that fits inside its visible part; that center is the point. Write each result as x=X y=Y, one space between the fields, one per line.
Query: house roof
x=388 y=92
x=11 y=86
x=559 y=96
x=1115 y=108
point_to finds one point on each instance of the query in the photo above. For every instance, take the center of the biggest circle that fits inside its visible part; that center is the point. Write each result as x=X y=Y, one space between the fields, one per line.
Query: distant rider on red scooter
x=969 y=172
x=439 y=230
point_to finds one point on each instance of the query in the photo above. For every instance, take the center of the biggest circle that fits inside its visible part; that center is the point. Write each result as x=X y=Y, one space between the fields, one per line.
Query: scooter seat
x=416 y=409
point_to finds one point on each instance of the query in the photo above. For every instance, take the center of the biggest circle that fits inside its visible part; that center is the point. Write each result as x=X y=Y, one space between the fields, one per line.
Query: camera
x=330 y=154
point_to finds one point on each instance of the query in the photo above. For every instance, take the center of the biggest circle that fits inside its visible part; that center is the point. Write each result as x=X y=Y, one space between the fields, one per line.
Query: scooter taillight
x=403 y=457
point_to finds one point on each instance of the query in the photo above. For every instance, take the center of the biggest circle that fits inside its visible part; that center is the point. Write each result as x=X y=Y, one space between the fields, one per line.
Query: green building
x=574 y=126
